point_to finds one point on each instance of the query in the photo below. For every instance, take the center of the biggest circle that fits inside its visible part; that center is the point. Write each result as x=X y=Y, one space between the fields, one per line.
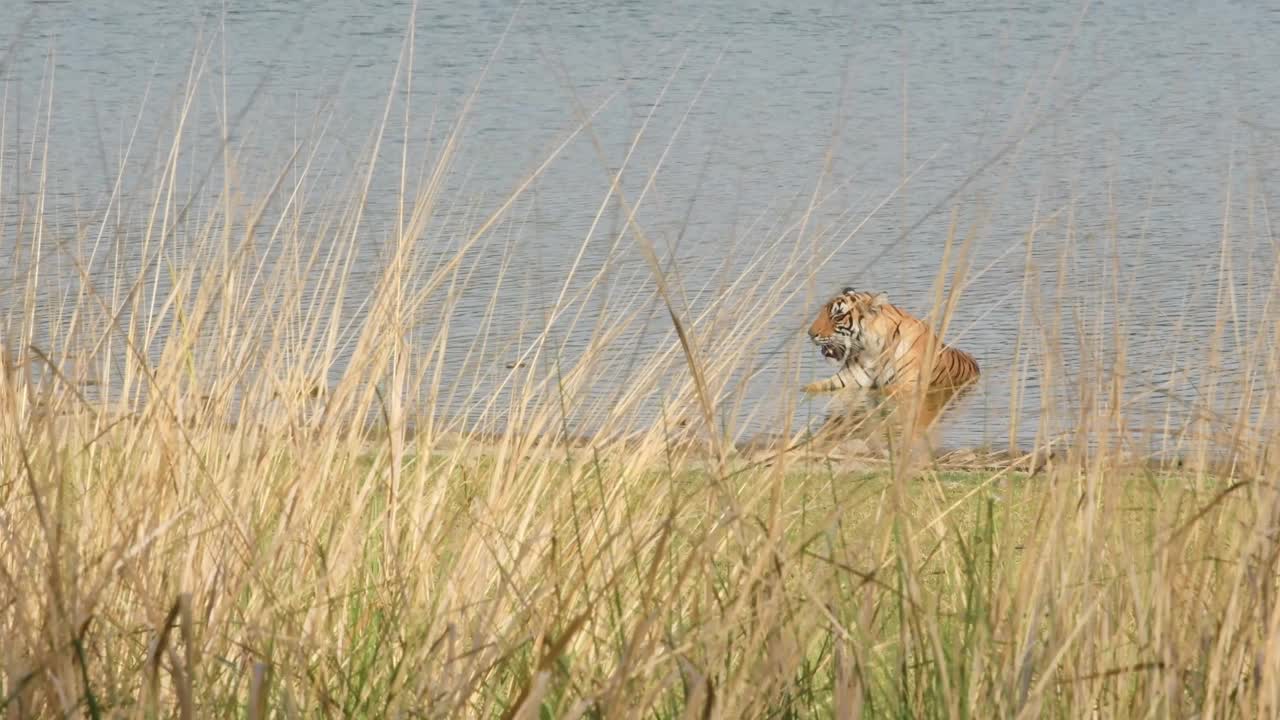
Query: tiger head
x=841 y=330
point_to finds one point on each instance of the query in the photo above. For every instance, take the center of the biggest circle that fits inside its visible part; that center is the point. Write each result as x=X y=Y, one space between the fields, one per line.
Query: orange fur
x=884 y=350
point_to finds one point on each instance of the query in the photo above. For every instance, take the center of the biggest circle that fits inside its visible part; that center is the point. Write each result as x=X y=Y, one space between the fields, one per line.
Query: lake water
x=1149 y=128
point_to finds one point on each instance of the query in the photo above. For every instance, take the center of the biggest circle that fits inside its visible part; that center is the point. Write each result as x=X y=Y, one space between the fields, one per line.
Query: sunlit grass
x=229 y=486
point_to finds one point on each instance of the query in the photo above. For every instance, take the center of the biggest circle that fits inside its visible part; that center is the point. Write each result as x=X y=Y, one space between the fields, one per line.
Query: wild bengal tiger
x=884 y=352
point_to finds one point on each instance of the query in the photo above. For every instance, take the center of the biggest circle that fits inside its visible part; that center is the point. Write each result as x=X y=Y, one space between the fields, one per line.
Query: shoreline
x=687 y=447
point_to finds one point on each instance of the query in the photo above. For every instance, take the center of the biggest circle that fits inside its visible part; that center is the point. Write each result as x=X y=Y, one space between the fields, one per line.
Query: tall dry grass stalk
x=227 y=486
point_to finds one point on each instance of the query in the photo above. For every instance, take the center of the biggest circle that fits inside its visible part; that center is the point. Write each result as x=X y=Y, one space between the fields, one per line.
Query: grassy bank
x=204 y=575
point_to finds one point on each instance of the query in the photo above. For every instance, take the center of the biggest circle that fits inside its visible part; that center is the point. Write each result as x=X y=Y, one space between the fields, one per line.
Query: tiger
x=883 y=351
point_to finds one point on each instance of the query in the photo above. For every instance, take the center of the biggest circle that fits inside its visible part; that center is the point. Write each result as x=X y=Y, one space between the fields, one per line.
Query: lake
x=1140 y=135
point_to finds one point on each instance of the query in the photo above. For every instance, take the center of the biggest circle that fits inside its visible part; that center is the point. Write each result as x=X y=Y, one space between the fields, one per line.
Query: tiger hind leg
x=921 y=429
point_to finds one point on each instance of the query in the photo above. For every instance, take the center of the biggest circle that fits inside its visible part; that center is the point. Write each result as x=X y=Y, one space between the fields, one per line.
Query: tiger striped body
x=884 y=350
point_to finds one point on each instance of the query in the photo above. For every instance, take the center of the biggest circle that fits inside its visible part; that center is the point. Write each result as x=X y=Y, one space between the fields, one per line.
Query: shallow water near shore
x=1135 y=139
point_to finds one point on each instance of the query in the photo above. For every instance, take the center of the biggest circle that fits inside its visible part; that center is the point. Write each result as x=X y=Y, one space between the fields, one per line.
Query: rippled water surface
x=1142 y=133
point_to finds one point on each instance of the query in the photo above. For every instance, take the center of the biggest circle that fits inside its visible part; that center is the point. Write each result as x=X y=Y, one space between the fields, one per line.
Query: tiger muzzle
x=832 y=351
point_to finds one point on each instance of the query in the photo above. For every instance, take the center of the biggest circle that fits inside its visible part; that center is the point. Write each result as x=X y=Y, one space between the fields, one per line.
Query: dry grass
x=225 y=492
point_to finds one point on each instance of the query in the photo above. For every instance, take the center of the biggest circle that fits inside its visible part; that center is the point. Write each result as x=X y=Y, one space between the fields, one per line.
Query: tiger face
x=839 y=330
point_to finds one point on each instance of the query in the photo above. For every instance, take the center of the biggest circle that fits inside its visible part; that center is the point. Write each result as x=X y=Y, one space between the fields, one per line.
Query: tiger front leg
x=839 y=381
x=851 y=418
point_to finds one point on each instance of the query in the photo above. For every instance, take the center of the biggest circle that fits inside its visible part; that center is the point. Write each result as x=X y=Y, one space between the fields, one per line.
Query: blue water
x=1145 y=130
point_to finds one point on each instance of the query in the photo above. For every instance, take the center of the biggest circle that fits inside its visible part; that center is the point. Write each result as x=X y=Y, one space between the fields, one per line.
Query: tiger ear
x=847 y=290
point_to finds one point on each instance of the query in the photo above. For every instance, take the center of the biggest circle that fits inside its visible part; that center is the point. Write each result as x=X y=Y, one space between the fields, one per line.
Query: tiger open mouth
x=833 y=352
